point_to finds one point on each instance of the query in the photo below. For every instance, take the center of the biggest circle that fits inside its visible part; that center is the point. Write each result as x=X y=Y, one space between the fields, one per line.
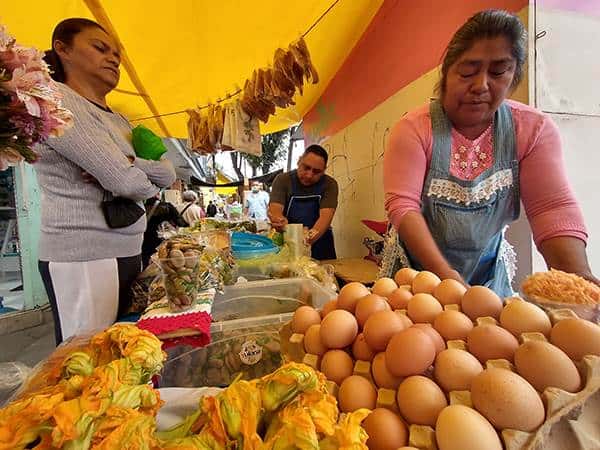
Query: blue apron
x=467 y=219
x=305 y=209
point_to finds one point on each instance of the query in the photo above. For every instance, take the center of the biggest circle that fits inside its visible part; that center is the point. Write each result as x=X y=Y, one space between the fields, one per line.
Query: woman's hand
x=569 y=255
x=590 y=277
x=451 y=274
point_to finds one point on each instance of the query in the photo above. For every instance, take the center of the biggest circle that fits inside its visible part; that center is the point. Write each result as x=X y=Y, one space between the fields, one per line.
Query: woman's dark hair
x=65 y=32
x=317 y=150
x=487 y=24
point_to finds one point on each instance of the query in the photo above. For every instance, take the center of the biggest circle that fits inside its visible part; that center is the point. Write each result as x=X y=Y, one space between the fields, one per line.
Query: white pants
x=85 y=295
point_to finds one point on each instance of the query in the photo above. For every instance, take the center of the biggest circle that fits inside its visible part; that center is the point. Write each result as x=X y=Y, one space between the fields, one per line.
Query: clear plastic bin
x=263 y=298
x=245 y=333
x=249 y=352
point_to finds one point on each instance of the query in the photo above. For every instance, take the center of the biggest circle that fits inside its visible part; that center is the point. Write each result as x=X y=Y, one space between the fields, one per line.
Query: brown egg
x=420 y=401
x=576 y=337
x=507 y=400
x=423 y=308
x=337 y=365
x=491 y=342
x=408 y=448
x=405 y=276
x=543 y=365
x=425 y=283
x=331 y=305
x=480 y=301
x=435 y=337
x=338 y=329
x=519 y=316
x=405 y=320
x=356 y=392
x=410 y=352
x=361 y=350
x=381 y=375
x=350 y=294
x=312 y=341
x=304 y=317
x=449 y=292
x=455 y=369
x=380 y=328
x=453 y=325
x=462 y=428
x=369 y=305
x=399 y=298
x=407 y=287
x=384 y=287
x=386 y=430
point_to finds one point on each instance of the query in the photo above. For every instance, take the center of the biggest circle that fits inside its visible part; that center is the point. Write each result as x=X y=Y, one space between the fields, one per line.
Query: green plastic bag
x=146 y=144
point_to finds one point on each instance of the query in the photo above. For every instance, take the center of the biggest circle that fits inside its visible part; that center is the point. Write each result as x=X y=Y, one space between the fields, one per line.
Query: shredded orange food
x=558 y=286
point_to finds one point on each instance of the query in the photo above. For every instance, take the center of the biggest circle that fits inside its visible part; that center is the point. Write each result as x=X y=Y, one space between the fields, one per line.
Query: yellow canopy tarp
x=184 y=53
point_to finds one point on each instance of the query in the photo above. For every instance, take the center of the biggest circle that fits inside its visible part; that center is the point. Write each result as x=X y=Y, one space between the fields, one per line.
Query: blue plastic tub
x=247 y=246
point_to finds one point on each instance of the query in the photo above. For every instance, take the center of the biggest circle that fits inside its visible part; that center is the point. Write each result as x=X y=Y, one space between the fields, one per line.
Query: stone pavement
x=28 y=346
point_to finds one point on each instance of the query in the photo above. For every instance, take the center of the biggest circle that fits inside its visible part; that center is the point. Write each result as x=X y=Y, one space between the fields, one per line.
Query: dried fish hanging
x=234 y=126
x=276 y=86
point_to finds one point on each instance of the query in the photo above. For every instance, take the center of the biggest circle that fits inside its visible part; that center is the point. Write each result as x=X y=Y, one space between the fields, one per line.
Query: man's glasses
x=307 y=168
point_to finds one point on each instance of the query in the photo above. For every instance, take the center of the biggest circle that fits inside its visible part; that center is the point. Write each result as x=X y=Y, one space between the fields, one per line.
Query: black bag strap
x=186 y=208
x=153 y=209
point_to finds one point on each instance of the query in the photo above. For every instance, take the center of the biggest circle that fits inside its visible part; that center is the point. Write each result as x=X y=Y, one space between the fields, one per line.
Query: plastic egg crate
x=572 y=419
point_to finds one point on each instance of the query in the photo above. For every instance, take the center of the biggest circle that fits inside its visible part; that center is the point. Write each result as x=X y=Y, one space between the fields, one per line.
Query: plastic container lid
x=247 y=245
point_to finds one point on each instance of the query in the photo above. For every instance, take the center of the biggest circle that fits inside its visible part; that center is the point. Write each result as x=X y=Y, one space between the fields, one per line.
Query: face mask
x=254 y=189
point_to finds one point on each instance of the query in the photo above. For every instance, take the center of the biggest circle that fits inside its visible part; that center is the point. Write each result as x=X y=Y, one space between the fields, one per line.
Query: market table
x=354 y=269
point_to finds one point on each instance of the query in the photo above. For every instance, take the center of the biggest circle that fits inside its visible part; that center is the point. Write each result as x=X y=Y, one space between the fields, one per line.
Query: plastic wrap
x=190 y=268
x=48 y=371
x=12 y=376
x=147 y=288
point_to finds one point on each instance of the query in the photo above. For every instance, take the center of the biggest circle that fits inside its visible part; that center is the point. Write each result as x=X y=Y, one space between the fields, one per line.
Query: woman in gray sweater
x=87 y=267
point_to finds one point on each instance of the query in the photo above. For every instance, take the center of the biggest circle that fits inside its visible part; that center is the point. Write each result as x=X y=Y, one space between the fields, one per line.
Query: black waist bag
x=120 y=212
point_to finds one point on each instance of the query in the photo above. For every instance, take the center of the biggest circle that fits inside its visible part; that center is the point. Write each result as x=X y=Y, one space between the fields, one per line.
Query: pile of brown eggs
x=432 y=354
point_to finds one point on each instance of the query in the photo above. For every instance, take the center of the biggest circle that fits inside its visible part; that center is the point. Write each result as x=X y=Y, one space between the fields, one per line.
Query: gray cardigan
x=73 y=226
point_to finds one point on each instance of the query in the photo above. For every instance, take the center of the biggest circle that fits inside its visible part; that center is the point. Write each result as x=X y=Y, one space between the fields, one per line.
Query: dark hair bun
x=57 y=71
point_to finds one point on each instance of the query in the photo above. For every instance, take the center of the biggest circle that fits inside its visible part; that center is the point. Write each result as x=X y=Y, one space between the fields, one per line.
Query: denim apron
x=305 y=209
x=467 y=219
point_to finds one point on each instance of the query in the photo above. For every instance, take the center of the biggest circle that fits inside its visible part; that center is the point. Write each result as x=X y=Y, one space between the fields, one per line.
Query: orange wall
x=405 y=40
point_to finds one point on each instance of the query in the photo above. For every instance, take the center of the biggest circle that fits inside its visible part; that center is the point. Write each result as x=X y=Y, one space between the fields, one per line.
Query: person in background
x=86 y=266
x=211 y=209
x=457 y=169
x=189 y=209
x=257 y=203
x=307 y=196
x=233 y=209
x=158 y=212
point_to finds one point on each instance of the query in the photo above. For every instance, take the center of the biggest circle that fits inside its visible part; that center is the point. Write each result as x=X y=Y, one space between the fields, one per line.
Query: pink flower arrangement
x=30 y=102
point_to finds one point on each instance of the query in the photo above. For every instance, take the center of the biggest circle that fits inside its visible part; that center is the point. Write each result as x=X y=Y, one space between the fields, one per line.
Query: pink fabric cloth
x=549 y=201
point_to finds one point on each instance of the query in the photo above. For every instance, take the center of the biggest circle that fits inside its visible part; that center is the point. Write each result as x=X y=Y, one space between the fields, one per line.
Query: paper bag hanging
x=241 y=131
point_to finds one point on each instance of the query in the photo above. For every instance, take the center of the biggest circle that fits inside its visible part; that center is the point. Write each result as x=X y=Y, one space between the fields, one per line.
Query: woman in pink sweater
x=457 y=169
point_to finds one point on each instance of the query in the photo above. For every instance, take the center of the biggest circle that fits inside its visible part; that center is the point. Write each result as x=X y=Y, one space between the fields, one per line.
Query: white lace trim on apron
x=508 y=256
x=394 y=257
x=466 y=195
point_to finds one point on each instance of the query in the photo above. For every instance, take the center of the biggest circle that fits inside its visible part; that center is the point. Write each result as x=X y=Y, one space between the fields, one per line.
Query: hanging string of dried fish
x=267 y=89
x=276 y=86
